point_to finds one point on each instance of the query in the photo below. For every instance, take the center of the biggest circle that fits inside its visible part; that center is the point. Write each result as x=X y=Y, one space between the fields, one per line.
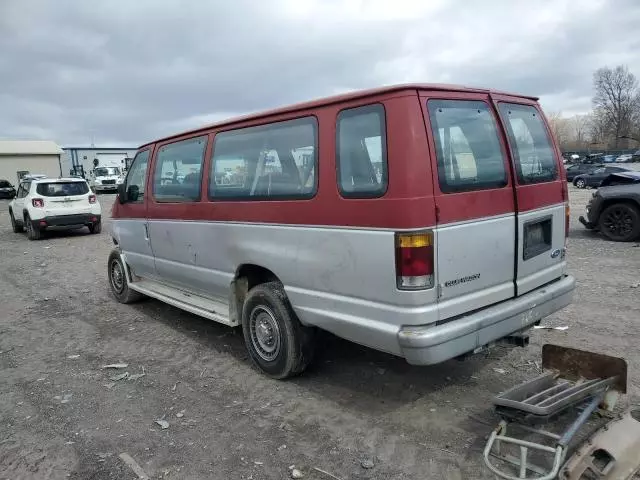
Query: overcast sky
x=122 y=72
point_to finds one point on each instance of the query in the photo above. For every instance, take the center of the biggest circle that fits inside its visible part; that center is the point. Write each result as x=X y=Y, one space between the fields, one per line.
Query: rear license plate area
x=536 y=238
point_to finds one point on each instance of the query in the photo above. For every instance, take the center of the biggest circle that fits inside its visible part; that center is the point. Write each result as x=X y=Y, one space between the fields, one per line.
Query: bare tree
x=579 y=129
x=598 y=129
x=616 y=103
x=559 y=127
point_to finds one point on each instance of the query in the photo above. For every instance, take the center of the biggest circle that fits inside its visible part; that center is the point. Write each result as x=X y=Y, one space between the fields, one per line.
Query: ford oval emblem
x=555 y=253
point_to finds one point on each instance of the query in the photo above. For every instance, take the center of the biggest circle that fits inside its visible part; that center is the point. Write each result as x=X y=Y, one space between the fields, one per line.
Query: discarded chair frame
x=572 y=382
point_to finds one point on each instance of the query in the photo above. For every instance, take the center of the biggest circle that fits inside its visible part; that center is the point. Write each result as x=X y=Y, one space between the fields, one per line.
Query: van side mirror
x=122 y=193
x=133 y=192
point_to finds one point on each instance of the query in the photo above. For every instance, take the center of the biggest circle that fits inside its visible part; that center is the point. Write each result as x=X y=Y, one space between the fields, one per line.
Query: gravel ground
x=63 y=416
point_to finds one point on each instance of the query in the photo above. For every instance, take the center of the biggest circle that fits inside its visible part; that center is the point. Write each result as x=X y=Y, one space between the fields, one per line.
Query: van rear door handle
x=146 y=231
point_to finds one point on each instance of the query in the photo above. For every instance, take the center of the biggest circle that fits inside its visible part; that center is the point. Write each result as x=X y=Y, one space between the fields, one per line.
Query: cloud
x=123 y=72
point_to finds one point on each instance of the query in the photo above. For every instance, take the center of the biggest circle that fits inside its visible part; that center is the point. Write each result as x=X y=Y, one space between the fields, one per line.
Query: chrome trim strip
x=341 y=227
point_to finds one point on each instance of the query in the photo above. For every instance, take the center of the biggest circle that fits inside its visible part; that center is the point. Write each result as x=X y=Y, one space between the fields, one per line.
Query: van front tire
x=118 y=281
x=277 y=342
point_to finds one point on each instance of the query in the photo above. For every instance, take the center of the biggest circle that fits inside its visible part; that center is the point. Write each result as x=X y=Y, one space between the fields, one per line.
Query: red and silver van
x=426 y=221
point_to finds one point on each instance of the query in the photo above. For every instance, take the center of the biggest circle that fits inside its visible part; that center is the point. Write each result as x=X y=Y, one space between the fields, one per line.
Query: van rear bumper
x=431 y=344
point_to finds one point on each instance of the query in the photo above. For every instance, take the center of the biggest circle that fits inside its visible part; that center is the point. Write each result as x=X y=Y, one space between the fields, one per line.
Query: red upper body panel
x=412 y=201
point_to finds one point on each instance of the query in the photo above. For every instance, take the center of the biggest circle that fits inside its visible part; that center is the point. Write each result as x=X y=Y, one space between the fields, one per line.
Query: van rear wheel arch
x=248 y=276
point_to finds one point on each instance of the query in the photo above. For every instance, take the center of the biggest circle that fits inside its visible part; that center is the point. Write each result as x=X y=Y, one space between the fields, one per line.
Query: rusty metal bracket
x=575 y=364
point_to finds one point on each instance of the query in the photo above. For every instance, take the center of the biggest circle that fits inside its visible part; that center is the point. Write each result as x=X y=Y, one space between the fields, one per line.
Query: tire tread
x=299 y=338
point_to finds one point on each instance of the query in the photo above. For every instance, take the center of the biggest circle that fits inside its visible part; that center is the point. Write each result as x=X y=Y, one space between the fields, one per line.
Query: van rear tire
x=118 y=280
x=278 y=344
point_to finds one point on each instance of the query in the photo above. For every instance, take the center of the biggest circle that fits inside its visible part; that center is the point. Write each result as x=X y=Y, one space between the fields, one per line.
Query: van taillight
x=414 y=260
x=37 y=202
x=92 y=199
x=567 y=217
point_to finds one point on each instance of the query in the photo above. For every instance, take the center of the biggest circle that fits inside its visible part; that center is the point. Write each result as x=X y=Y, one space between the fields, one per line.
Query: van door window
x=136 y=178
x=531 y=146
x=178 y=171
x=361 y=152
x=467 y=146
x=273 y=161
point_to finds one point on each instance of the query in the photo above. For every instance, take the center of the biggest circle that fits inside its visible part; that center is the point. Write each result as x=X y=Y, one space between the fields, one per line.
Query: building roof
x=101 y=148
x=343 y=98
x=29 y=147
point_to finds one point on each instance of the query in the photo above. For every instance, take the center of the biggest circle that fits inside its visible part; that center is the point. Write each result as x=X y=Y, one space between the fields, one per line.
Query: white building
x=21 y=157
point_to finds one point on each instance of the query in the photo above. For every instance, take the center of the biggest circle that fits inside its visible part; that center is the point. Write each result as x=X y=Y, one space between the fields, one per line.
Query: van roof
x=320 y=102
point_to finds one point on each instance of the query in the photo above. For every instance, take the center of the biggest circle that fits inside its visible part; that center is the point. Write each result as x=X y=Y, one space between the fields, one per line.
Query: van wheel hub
x=265 y=333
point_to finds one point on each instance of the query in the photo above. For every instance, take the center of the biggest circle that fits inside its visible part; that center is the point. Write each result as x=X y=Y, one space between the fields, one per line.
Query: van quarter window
x=467 y=146
x=178 y=171
x=530 y=143
x=273 y=161
x=361 y=156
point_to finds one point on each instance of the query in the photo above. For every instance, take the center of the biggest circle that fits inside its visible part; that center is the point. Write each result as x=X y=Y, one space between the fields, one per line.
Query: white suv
x=54 y=203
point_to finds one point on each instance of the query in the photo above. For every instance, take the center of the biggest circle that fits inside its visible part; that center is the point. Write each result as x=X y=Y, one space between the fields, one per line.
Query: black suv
x=614 y=210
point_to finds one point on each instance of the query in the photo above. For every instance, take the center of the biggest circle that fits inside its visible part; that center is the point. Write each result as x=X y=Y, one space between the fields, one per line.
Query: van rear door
x=541 y=198
x=475 y=236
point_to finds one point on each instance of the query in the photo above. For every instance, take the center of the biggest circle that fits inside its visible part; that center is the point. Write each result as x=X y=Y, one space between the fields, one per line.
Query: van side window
x=273 y=161
x=361 y=152
x=467 y=146
x=137 y=177
x=178 y=171
x=531 y=146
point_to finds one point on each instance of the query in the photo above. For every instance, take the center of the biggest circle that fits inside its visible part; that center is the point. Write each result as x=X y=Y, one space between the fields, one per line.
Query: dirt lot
x=63 y=416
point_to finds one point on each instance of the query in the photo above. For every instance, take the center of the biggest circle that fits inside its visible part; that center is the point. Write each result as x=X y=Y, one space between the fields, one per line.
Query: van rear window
x=531 y=146
x=467 y=146
x=62 y=189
